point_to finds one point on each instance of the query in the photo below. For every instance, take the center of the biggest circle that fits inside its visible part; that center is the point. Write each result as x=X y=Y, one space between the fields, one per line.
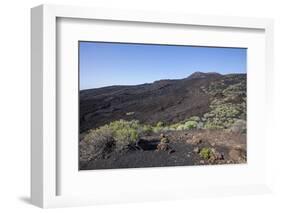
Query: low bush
x=194 y=118
x=125 y=137
x=205 y=153
x=226 y=110
x=146 y=130
x=187 y=125
x=222 y=115
x=118 y=135
x=125 y=133
x=239 y=89
x=181 y=127
x=209 y=124
x=98 y=143
x=174 y=126
x=160 y=124
x=156 y=129
x=123 y=124
x=191 y=124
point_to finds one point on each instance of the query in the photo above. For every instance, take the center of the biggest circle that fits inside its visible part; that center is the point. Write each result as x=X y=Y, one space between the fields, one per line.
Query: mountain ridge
x=194 y=75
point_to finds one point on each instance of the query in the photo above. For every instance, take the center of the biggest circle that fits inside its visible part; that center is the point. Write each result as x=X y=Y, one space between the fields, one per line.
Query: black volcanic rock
x=169 y=101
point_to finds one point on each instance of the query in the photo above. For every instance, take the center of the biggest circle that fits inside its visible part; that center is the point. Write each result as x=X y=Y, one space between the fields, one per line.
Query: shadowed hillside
x=168 y=101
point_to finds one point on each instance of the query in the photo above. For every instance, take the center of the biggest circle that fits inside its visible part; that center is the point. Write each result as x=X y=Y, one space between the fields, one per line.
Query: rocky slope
x=217 y=99
x=198 y=120
x=220 y=147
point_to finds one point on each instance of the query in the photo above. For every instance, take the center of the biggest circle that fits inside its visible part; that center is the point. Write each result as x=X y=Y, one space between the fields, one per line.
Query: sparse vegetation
x=191 y=124
x=179 y=111
x=205 y=153
x=97 y=143
x=125 y=137
x=223 y=115
x=187 y=125
x=130 y=113
x=125 y=133
x=146 y=129
x=117 y=135
x=228 y=106
x=194 y=118
x=160 y=124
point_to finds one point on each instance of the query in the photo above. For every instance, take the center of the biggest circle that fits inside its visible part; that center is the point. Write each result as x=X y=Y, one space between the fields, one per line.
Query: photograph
x=161 y=105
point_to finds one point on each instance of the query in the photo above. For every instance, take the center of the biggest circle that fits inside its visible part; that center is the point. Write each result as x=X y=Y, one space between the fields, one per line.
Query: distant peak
x=203 y=75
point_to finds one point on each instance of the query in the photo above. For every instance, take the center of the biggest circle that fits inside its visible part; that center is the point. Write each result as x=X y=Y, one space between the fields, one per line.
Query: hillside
x=169 y=101
x=198 y=120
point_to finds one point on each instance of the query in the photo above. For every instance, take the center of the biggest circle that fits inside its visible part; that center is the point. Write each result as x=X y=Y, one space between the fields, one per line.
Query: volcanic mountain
x=168 y=100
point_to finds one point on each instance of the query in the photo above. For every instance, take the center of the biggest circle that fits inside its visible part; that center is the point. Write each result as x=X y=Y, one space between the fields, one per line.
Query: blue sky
x=105 y=64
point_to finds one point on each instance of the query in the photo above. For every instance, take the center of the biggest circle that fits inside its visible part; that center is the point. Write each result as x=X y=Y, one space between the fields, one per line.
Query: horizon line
x=167 y=79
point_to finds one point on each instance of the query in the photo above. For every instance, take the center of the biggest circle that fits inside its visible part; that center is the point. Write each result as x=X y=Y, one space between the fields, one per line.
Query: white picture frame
x=44 y=148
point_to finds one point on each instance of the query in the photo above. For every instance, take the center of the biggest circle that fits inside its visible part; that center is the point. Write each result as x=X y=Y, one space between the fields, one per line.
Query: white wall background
x=15 y=104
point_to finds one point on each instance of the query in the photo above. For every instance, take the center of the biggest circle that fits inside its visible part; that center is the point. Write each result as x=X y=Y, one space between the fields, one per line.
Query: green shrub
x=97 y=143
x=101 y=134
x=190 y=125
x=166 y=128
x=125 y=133
x=212 y=125
x=187 y=125
x=205 y=153
x=125 y=137
x=226 y=110
x=146 y=130
x=239 y=88
x=181 y=127
x=157 y=129
x=209 y=115
x=222 y=115
x=174 y=126
x=123 y=124
x=118 y=134
x=160 y=124
x=170 y=128
x=194 y=118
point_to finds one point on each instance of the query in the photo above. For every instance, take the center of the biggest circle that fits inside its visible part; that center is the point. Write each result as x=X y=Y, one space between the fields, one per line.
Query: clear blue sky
x=106 y=64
